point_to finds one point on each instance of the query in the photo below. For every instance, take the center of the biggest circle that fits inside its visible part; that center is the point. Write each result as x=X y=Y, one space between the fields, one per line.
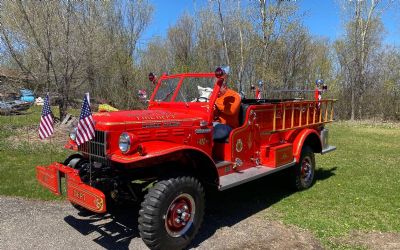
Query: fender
x=160 y=151
x=301 y=138
x=154 y=149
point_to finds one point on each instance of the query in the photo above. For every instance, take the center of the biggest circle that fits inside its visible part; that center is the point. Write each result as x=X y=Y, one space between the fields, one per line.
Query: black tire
x=71 y=157
x=163 y=204
x=304 y=171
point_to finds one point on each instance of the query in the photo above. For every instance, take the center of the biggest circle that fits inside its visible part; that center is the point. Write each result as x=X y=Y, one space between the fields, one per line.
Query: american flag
x=258 y=93
x=46 y=126
x=85 y=131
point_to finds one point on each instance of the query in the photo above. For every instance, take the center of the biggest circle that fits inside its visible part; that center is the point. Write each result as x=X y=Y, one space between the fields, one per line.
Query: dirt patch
x=256 y=232
x=30 y=135
x=372 y=240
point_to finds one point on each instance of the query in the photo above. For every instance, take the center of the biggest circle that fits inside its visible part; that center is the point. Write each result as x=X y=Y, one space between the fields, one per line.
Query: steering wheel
x=202 y=97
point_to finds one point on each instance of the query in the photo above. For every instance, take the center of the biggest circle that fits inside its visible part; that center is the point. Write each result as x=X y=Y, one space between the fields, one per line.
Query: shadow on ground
x=223 y=209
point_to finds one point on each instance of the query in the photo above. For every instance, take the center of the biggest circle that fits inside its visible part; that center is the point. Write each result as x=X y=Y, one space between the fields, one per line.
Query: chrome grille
x=96 y=148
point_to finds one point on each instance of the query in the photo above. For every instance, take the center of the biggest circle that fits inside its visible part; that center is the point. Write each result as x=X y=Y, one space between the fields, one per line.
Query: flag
x=85 y=130
x=46 y=126
x=258 y=93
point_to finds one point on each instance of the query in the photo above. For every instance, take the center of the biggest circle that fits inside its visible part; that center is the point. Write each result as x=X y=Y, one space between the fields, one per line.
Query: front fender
x=155 y=149
x=305 y=134
x=160 y=152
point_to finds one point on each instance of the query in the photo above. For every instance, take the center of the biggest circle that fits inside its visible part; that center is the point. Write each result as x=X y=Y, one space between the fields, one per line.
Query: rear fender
x=309 y=137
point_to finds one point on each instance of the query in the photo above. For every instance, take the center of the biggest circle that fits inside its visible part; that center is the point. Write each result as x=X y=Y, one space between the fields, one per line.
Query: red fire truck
x=167 y=154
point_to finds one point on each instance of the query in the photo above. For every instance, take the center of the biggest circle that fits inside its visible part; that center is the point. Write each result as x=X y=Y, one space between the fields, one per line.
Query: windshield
x=166 y=90
x=193 y=89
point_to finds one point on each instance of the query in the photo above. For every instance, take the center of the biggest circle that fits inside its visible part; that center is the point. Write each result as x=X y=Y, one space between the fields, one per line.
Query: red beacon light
x=152 y=77
x=221 y=71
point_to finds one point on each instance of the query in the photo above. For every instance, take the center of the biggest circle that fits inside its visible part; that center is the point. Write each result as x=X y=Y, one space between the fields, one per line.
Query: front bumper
x=76 y=191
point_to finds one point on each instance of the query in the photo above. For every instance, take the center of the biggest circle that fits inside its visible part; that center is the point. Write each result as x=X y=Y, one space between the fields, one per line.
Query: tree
x=362 y=39
x=181 y=40
x=67 y=46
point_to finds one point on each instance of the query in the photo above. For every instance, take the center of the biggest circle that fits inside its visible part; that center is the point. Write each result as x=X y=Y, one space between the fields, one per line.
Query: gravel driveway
x=234 y=220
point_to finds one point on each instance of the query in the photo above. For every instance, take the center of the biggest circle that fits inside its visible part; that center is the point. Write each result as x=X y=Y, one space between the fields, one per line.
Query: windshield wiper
x=172 y=91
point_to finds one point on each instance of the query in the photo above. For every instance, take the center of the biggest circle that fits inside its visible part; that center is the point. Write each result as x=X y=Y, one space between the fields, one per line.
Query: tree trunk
x=353 y=108
x=63 y=106
x=223 y=33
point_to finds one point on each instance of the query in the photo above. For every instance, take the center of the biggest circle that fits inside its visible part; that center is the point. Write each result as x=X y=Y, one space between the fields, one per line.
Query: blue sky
x=323 y=18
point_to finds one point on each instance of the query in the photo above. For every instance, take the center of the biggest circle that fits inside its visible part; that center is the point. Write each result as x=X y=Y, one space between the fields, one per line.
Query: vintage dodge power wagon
x=165 y=156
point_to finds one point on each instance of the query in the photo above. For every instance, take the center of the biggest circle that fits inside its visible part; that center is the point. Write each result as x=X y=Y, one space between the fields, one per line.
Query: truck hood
x=143 y=118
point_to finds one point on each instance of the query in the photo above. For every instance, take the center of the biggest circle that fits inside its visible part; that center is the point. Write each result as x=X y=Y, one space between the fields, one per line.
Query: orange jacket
x=228 y=108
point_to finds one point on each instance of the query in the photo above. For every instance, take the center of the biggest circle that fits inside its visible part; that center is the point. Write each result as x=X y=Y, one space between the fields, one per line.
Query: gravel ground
x=29 y=224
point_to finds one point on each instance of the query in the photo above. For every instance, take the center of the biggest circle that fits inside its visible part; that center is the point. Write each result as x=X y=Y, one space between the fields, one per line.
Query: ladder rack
x=299 y=114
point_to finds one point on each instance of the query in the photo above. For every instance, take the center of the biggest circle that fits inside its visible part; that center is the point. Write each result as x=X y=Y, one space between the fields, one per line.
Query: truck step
x=221 y=164
x=237 y=178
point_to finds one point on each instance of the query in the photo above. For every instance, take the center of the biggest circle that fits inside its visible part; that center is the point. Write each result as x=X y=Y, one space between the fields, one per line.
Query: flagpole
x=86 y=132
x=51 y=141
x=50 y=137
x=46 y=126
x=90 y=162
x=90 y=144
x=51 y=148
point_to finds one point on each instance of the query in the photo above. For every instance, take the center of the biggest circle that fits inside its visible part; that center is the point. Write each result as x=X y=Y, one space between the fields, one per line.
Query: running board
x=237 y=178
x=222 y=164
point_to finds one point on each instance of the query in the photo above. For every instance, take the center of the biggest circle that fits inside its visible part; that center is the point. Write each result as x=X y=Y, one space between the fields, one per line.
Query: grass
x=358 y=185
x=18 y=161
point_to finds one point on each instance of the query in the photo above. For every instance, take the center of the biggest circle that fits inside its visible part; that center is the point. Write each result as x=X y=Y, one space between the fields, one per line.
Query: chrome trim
x=324 y=138
x=328 y=149
x=223 y=164
x=202 y=130
x=96 y=149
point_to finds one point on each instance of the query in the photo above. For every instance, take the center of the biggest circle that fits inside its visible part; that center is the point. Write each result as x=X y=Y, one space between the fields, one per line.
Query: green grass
x=358 y=186
x=18 y=162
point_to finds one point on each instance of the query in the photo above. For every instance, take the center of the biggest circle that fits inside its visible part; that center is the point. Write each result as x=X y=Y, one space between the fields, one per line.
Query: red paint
x=166 y=129
x=77 y=191
x=299 y=141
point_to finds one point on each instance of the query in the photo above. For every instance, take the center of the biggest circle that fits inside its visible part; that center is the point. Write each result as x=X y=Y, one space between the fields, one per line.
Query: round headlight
x=72 y=134
x=124 y=142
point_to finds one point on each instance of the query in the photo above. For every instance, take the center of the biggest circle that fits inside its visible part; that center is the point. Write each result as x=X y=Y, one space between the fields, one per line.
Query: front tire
x=171 y=213
x=304 y=172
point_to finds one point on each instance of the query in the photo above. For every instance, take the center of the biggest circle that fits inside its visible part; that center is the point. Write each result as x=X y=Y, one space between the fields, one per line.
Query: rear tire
x=304 y=171
x=171 y=213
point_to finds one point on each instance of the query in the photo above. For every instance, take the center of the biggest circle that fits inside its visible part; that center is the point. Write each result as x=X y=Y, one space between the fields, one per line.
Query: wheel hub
x=180 y=215
x=306 y=170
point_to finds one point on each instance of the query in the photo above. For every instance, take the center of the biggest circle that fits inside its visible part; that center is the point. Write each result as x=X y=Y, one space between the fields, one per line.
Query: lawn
x=18 y=159
x=357 y=186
